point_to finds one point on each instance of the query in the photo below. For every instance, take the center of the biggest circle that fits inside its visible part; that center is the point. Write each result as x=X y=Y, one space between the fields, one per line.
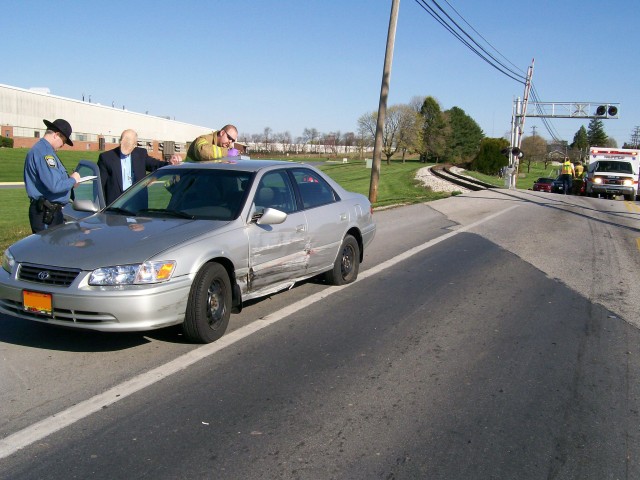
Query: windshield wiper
x=122 y=211
x=173 y=213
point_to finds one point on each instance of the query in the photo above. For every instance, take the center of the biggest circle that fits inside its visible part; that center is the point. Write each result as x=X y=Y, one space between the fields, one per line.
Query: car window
x=314 y=190
x=275 y=191
x=199 y=194
x=90 y=189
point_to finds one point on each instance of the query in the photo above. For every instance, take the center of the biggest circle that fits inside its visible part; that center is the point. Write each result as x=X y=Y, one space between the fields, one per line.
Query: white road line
x=14 y=442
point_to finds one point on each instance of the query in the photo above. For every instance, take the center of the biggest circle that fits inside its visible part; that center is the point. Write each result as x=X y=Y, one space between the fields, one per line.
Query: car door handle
x=300 y=228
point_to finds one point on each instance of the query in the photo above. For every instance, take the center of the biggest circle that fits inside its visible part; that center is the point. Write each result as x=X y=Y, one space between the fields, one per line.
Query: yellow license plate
x=37 y=302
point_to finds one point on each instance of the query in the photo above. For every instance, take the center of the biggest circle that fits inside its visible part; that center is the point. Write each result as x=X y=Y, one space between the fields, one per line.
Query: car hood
x=108 y=239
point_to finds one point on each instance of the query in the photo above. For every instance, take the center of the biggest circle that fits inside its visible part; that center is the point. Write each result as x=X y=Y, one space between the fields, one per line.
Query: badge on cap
x=51 y=161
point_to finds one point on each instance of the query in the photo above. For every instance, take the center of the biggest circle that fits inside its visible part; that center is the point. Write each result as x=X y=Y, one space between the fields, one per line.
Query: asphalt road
x=490 y=335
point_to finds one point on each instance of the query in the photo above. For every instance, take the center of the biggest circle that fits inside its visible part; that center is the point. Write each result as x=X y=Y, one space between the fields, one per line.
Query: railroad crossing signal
x=600 y=110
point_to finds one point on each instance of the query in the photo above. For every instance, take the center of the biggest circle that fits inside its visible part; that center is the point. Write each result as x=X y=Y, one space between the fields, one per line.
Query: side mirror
x=270 y=216
x=83 y=205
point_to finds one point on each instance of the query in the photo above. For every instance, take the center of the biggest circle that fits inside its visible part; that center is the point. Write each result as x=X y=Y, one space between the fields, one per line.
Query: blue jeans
x=566 y=183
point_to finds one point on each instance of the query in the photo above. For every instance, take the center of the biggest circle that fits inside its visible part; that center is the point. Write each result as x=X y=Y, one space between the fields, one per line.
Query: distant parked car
x=187 y=245
x=557 y=185
x=543 y=184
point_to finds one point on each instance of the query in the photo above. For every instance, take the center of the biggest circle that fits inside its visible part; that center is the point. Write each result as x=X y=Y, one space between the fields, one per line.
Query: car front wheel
x=347 y=264
x=209 y=305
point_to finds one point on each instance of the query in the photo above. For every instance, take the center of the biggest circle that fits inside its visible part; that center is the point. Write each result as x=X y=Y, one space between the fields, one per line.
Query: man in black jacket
x=125 y=165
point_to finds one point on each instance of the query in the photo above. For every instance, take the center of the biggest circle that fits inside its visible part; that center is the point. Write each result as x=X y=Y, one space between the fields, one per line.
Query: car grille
x=59 y=314
x=62 y=277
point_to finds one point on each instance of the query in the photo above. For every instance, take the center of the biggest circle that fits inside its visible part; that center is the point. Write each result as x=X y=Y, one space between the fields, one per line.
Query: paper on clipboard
x=87 y=178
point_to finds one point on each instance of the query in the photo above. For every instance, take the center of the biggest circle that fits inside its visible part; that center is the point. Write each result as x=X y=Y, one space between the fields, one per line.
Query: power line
x=495 y=63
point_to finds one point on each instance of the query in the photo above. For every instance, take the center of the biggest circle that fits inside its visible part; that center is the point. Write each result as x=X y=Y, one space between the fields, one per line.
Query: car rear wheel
x=347 y=264
x=209 y=305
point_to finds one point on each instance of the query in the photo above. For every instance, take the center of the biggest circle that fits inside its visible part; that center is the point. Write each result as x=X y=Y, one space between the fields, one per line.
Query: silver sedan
x=187 y=245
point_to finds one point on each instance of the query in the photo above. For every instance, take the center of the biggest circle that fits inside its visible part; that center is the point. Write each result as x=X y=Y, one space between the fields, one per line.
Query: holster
x=48 y=209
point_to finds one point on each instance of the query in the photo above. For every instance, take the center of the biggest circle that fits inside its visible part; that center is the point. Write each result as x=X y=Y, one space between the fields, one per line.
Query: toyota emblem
x=43 y=276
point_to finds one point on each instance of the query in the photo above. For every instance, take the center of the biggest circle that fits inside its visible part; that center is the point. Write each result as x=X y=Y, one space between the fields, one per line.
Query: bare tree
x=366 y=131
x=409 y=129
x=349 y=141
x=310 y=135
x=266 y=138
x=534 y=148
x=390 y=131
x=416 y=103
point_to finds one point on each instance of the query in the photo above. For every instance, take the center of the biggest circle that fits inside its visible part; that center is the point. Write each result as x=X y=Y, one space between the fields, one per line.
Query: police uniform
x=205 y=148
x=45 y=178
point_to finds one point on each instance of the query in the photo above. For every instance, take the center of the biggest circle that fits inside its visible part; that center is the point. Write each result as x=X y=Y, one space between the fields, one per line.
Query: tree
x=408 y=134
x=433 y=138
x=309 y=136
x=581 y=139
x=595 y=133
x=489 y=159
x=464 y=139
x=266 y=138
x=534 y=148
x=393 y=122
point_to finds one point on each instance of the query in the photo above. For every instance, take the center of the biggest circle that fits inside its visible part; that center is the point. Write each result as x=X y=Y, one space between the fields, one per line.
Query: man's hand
x=76 y=177
x=175 y=159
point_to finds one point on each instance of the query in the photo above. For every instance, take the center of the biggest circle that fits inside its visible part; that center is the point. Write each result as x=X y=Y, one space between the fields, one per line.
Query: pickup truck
x=611 y=178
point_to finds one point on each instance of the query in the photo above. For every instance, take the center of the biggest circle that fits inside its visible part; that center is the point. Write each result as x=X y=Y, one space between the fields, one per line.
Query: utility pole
x=382 y=108
x=517 y=128
x=635 y=137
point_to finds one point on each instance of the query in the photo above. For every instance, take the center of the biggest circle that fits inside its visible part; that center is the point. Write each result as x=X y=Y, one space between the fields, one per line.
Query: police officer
x=46 y=180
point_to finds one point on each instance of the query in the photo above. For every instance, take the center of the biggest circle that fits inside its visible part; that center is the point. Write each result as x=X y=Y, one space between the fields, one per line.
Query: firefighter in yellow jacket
x=568 y=172
x=214 y=146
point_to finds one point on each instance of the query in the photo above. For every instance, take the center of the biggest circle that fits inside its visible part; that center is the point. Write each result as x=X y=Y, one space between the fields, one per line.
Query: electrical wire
x=495 y=63
x=454 y=28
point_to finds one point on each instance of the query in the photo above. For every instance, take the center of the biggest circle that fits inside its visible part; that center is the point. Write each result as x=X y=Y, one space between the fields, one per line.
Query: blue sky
x=295 y=64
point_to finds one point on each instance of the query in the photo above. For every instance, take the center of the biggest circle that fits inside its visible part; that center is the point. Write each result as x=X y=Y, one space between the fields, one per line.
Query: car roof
x=231 y=164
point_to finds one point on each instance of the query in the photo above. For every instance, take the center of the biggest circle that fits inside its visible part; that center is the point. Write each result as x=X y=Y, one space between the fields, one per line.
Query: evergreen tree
x=595 y=133
x=464 y=139
x=434 y=131
x=580 y=140
x=489 y=158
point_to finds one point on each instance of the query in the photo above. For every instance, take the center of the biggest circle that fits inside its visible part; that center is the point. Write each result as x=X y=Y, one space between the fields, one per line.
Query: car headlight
x=138 y=274
x=597 y=180
x=8 y=262
x=628 y=182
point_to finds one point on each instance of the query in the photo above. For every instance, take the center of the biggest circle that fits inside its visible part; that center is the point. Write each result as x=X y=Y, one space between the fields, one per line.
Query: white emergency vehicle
x=613 y=171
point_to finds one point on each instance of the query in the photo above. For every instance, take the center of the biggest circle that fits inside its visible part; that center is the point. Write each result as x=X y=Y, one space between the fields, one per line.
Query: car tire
x=347 y=264
x=629 y=198
x=209 y=305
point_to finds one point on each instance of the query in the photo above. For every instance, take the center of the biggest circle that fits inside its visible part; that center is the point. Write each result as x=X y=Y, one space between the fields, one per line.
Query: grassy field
x=397 y=184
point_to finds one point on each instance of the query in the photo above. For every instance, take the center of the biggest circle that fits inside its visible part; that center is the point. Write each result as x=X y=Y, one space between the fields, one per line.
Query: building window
x=7 y=133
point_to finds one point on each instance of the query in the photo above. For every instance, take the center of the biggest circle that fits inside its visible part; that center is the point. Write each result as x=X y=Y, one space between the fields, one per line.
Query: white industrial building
x=95 y=127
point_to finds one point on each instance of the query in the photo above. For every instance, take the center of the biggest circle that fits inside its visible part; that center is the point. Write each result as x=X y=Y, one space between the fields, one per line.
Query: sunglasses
x=233 y=140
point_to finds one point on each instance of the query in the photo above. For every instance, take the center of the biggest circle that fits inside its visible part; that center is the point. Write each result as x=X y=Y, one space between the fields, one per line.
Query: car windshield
x=545 y=180
x=614 y=167
x=187 y=193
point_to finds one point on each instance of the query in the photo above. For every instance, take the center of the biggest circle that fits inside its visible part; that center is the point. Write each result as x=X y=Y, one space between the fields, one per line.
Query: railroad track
x=443 y=172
